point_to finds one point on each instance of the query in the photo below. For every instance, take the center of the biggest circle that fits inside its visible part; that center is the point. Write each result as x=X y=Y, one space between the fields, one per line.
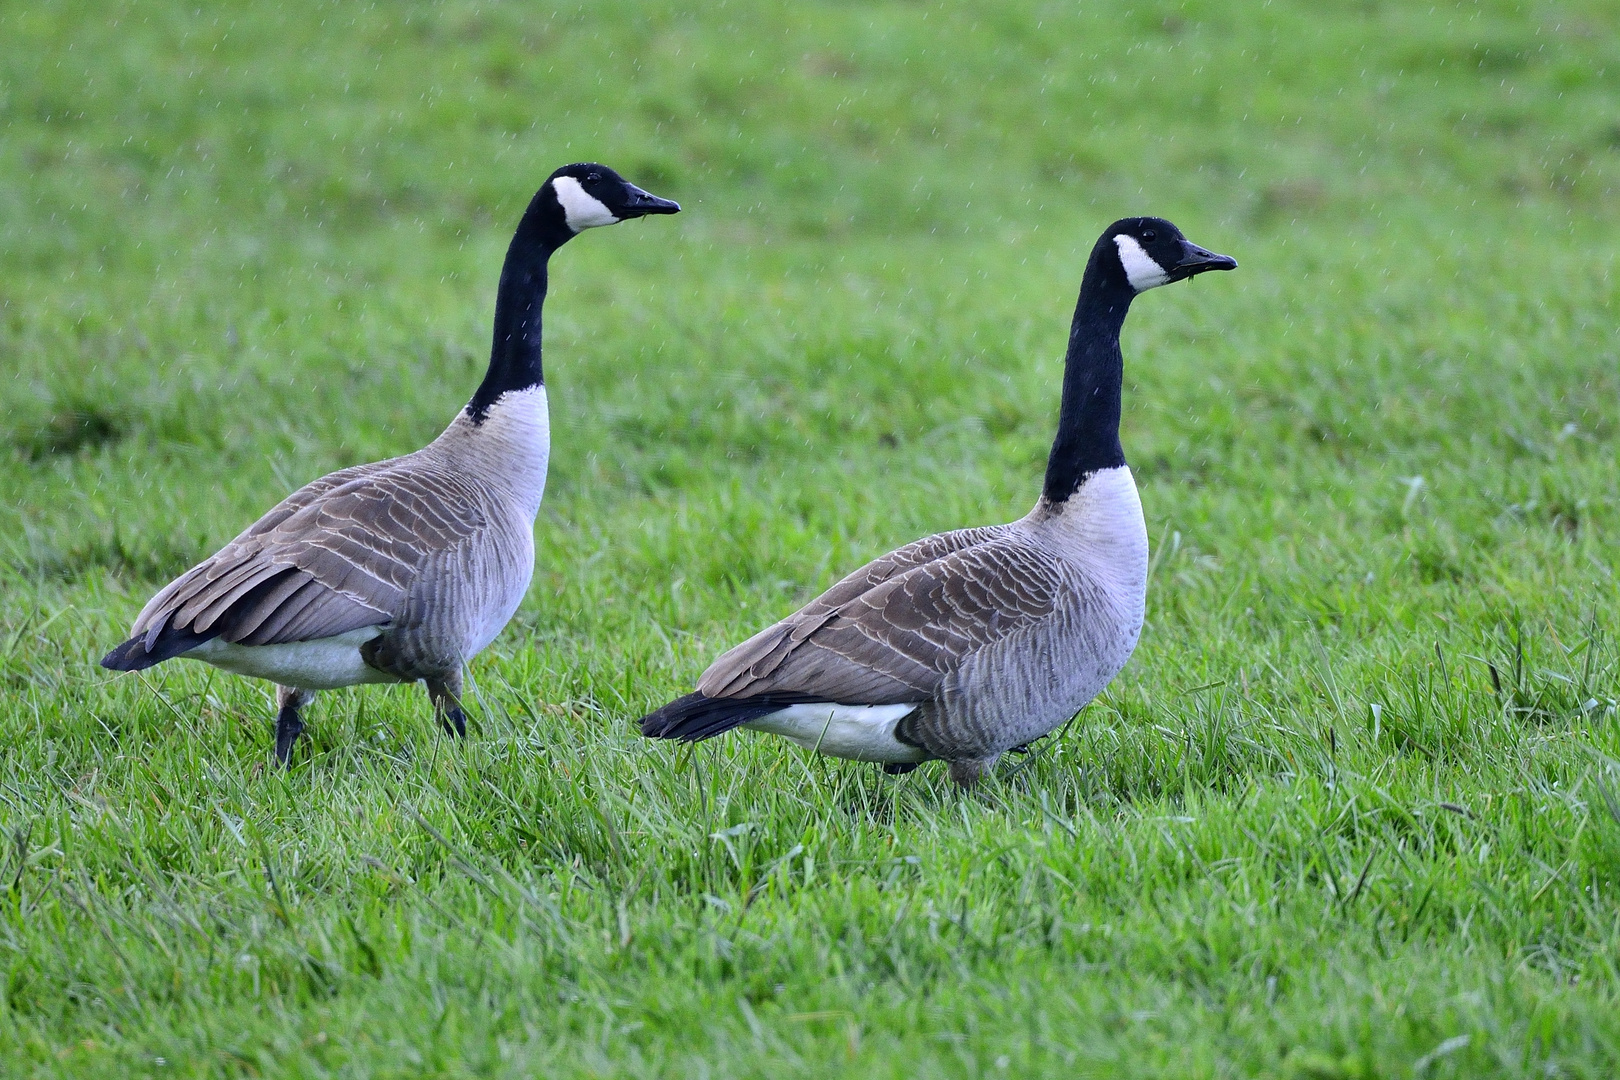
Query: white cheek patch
x=581 y=209
x=1140 y=269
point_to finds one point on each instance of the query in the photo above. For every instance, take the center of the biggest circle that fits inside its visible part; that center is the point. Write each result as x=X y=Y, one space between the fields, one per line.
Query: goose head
x=1150 y=252
x=588 y=195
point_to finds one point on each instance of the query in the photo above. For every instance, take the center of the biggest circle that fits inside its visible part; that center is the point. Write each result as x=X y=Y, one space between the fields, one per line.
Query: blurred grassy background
x=246 y=244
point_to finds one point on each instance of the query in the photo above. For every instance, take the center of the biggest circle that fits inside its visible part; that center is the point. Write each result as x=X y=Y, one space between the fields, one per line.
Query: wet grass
x=1352 y=811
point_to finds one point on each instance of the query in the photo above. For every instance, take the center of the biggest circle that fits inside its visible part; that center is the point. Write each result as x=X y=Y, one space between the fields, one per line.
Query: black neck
x=514 y=354
x=1088 y=423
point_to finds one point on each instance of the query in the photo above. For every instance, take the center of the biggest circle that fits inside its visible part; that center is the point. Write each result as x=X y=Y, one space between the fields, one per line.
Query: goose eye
x=592 y=178
x=1149 y=234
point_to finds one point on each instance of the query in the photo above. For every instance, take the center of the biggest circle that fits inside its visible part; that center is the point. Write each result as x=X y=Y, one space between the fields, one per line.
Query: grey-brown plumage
x=422 y=557
x=958 y=646
x=964 y=645
x=400 y=570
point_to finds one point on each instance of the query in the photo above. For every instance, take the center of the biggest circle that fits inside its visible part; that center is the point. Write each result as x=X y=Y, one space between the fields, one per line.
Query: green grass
x=1353 y=810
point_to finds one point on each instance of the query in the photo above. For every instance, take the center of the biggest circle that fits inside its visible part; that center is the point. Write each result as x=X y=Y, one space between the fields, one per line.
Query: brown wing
x=337 y=555
x=310 y=492
x=754 y=659
x=896 y=639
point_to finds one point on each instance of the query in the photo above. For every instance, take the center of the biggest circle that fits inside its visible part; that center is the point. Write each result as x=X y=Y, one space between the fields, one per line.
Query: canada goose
x=967 y=644
x=403 y=569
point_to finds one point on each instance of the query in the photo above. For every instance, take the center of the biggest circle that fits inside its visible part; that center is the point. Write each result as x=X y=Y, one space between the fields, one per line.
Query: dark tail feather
x=695 y=717
x=171 y=641
x=133 y=654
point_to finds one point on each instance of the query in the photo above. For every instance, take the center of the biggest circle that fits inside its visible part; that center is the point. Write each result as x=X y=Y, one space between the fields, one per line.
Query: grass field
x=1353 y=810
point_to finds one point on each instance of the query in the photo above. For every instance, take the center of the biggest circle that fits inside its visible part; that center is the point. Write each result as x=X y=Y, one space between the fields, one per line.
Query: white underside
x=325 y=664
x=857 y=732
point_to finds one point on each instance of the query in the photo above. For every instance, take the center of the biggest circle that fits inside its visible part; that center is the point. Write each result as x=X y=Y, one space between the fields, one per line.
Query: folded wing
x=335 y=556
x=892 y=631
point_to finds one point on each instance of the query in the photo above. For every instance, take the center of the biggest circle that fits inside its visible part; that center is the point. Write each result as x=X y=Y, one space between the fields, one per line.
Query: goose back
x=845 y=644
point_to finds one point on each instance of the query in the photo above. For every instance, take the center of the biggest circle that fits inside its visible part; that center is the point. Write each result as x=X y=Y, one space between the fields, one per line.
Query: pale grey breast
x=1025 y=686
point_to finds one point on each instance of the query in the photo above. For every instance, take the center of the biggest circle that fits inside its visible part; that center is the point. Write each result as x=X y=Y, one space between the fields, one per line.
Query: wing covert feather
x=338 y=554
x=897 y=638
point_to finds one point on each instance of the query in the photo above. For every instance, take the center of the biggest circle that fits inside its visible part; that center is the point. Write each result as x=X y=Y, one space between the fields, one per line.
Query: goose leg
x=969 y=771
x=898 y=768
x=289 y=700
x=446 y=695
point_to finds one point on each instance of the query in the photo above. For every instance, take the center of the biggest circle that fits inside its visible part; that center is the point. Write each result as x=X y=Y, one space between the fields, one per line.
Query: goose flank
x=399 y=570
x=967 y=644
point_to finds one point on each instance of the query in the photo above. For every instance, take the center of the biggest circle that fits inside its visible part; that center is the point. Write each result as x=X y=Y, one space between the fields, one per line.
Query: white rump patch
x=325 y=664
x=857 y=732
x=1141 y=270
x=581 y=209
